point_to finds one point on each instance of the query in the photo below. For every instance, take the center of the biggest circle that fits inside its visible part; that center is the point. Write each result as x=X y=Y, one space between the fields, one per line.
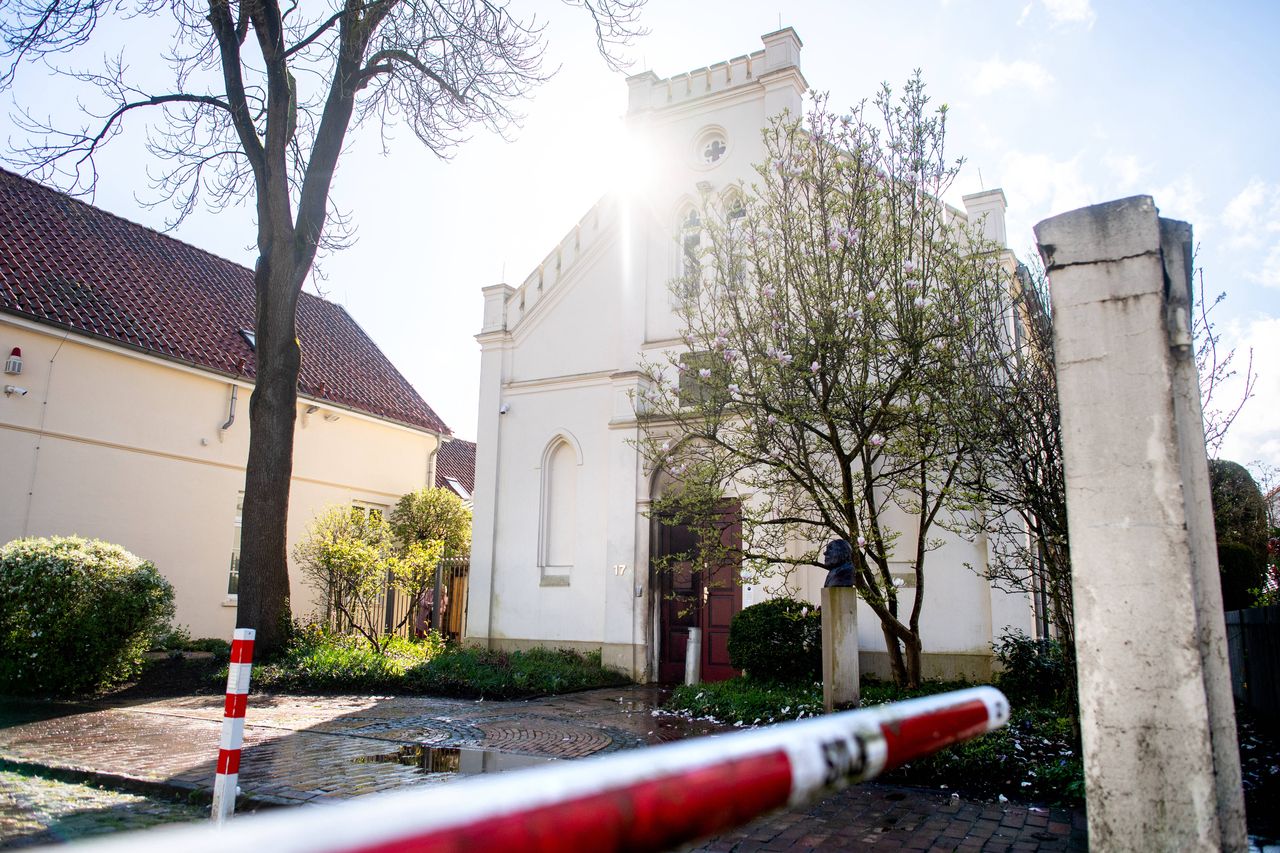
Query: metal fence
x=393 y=612
x=1253 y=645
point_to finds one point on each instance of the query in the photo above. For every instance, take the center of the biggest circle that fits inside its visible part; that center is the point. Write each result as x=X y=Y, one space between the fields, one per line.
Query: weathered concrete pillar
x=840 y=687
x=1162 y=769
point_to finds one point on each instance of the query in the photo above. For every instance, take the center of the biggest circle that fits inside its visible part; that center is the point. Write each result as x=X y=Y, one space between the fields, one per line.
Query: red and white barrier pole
x=643 y=799
x=224 y=783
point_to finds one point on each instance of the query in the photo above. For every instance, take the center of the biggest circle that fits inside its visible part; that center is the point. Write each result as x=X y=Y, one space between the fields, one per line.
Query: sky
x=1062 y=103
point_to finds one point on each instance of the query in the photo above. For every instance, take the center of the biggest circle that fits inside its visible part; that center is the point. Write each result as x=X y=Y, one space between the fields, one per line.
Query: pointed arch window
x=558 y=515
x=690 y=236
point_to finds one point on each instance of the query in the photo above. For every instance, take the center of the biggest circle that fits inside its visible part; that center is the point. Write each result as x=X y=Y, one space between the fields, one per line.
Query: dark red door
x=693 y=596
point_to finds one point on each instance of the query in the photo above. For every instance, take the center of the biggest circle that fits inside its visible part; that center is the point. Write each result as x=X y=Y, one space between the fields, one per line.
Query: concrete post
x=840 y=672
x=1162 y=769
x=693 y=657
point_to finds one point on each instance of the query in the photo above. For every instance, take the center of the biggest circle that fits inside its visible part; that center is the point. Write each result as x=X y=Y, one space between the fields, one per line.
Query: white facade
x=561 y=537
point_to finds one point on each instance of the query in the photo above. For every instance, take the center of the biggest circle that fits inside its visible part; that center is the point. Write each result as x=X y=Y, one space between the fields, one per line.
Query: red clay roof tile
x=70 y=264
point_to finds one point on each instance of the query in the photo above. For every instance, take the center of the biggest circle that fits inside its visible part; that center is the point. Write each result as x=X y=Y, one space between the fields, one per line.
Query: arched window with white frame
x=689 y=236
x=559 y=507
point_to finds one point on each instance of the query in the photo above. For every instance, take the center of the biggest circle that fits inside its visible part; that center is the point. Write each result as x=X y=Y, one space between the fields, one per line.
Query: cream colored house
x=128 y=420
x=562 y=539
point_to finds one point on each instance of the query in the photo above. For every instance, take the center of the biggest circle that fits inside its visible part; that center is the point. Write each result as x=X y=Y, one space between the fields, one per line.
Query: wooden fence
x=1253 y=644
x=393 y=608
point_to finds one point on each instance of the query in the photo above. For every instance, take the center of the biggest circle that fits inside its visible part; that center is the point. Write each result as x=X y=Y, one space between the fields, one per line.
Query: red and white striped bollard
x=224 y=783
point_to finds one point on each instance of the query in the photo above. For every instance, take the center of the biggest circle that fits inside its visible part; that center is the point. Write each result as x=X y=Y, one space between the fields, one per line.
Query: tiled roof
x=73 y=265
x=456 y=460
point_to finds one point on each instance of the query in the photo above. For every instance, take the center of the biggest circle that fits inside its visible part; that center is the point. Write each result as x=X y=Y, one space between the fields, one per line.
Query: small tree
x=427 y=525
x=346 y=556
x=1018 y=481
x=828 y=329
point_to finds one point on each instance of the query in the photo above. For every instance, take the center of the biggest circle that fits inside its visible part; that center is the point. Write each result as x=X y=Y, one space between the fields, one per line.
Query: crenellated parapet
x=781 y=54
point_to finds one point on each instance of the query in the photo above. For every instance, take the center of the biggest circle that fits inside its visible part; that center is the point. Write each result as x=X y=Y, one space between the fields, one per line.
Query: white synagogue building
x=562 y=538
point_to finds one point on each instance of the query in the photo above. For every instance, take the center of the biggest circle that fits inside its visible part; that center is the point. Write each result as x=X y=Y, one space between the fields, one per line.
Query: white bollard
x=693 y=657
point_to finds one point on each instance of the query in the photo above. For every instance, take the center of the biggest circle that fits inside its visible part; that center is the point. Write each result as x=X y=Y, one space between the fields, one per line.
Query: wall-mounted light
x=311 y=410
x=331 y=417
x=13 y=364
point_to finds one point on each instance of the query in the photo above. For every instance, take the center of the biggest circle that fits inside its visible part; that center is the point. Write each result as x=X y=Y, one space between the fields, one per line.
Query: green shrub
x=76 y=615
x=482 y=673
x=777 y=640
x=1034 y=672
x=322 y=661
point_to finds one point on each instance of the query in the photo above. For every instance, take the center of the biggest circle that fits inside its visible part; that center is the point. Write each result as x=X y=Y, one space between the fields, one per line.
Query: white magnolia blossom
x=734 y=389
x=705 y=373
x=876 y=440
x=862 y=541
x=908 y=267
x=815 y=367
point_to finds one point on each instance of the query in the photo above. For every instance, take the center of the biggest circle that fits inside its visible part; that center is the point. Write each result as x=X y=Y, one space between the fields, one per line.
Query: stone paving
x=304 y=750
x=37 y=811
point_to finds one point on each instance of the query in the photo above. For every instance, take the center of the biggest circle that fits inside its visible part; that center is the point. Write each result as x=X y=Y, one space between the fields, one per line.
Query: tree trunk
x=264 y=568
x=913 y=649
x=897 y=667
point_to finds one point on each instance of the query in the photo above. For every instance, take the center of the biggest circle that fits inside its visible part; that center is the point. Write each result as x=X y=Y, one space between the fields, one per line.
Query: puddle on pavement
x=465 y=762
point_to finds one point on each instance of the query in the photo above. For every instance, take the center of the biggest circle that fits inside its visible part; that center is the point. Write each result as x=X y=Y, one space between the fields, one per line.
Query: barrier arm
x=642 y=799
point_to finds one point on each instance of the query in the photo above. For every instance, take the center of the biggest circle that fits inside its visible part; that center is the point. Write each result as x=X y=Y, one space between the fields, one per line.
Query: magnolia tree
x=829 y=355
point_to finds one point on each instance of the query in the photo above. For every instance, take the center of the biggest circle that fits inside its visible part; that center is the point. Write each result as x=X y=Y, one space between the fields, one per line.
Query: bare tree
x=1018 y=484
x=1215 y=368
x=262 y=98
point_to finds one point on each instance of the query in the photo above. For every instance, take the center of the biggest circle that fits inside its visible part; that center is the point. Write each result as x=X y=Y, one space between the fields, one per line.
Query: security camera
x=504 y=408
x=10 y=390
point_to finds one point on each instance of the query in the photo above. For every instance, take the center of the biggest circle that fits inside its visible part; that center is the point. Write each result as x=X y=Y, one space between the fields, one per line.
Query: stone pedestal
x=839 y=648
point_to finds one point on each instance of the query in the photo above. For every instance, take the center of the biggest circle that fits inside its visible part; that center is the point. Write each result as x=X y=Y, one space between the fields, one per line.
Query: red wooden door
x=694 y=597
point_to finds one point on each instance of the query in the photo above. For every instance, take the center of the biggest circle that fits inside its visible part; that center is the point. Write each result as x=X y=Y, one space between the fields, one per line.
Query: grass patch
x=1032 y=758
x=318 y=661
x=745 y=701
x=480 y=673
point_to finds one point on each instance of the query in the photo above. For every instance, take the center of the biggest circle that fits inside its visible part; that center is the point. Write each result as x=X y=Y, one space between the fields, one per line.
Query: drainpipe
x=231 y=412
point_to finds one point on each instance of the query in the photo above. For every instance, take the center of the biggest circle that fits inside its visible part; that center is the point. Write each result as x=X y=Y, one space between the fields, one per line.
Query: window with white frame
x=559 y=508
x=233 y=575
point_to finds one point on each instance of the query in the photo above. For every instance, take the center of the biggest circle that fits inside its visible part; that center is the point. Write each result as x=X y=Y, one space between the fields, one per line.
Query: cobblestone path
x=36 y=811
x=304 y=750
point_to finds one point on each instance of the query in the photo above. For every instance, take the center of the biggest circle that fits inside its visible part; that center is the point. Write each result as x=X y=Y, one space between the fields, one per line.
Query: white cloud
x=1071 y=12
x=1182 y=199
x=995 y=74
x=1026 y=13
x=1252 y=220
x=1126 y=169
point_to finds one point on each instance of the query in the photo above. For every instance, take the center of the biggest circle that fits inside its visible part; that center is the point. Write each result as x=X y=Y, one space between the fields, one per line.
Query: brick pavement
x=303 y=750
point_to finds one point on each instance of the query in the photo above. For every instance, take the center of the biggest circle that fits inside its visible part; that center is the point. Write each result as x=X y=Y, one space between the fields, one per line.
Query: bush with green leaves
x=777 y=640
x=1034 y=672
x=76 y=615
